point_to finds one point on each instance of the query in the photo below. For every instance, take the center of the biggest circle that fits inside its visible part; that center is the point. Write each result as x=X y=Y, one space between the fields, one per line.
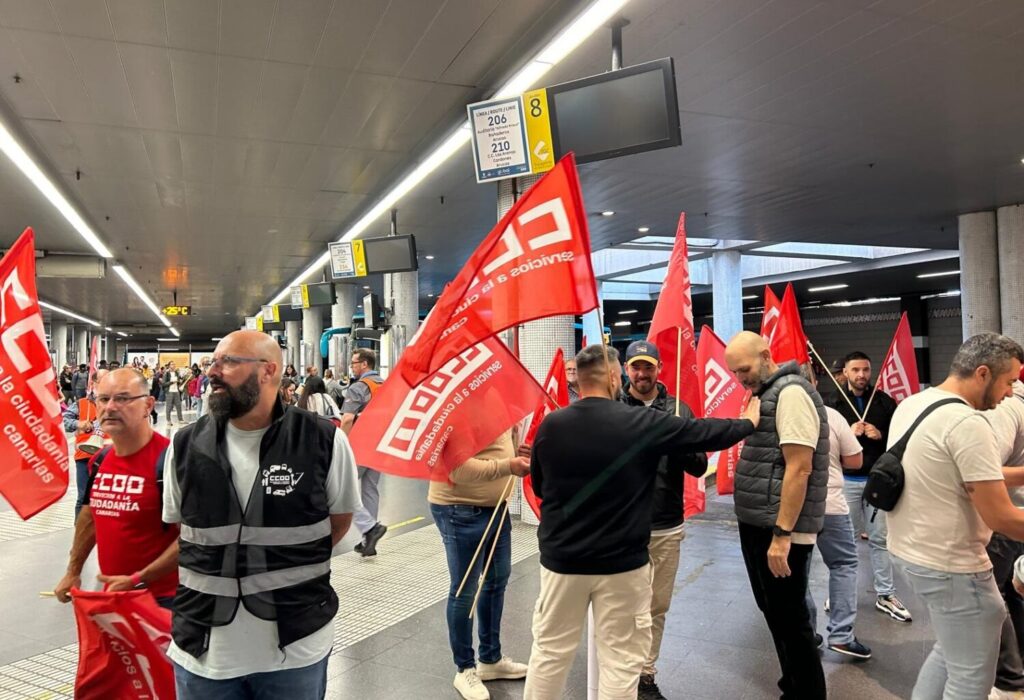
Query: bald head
x=750 y=359
x=253 y=344
x=244 y=378
x=126 y=379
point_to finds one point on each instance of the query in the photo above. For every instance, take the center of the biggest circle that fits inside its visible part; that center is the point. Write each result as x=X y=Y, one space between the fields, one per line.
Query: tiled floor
x=391 y=639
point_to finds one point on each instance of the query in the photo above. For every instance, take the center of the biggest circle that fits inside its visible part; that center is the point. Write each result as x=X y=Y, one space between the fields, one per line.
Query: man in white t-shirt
x=836 y=540
x=263 y=493
x=954 y=496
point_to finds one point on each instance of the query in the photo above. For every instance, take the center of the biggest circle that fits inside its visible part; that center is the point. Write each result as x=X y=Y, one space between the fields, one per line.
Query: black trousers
x=783 y=601
x=1009 y=669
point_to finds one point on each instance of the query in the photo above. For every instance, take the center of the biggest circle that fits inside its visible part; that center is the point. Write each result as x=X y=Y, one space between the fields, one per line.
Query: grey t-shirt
x=358 y=394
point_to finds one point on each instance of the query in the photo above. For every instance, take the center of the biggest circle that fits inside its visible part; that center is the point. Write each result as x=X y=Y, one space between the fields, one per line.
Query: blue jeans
x=81 y=478
x=306 y=683
x=461 y=528
x=839 y=552
x=866 y=518
x=967 y=615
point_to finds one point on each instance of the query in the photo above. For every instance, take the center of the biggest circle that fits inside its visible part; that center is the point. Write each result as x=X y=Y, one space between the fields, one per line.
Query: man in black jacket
x=872 y=431
x=594 y=465
x=643 y=364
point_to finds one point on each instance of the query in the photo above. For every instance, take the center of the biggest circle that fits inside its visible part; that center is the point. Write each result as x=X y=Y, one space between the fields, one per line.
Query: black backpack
x=886 y=479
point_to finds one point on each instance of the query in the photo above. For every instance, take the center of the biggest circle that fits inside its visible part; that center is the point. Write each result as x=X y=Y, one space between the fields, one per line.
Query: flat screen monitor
x=286 y=313
x=371 y=307
x=321 y=294
x=390 y=254
x=626 y=111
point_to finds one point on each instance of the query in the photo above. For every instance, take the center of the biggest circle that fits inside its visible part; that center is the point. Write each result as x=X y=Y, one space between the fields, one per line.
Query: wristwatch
x=779 y=532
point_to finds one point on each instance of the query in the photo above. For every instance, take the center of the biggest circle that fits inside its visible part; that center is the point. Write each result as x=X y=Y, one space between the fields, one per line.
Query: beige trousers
x=664 y=551
x=622 y=622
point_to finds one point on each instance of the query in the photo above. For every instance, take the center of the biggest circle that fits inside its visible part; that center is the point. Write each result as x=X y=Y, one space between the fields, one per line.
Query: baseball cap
x=642 y=350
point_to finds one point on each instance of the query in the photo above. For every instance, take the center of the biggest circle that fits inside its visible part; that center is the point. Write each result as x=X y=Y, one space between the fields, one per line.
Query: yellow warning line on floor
x=410 y=521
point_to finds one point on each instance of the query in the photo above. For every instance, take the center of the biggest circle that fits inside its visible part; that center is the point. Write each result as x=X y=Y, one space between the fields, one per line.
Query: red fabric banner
x=94 y=356
x=672 y=332
x=898 y=375
x=122 y=643
x=535 y=263
x=724 y=397
x=558 y=389
x=770 y=315
x=33 y=449
x=788 y=341
x=424 y=432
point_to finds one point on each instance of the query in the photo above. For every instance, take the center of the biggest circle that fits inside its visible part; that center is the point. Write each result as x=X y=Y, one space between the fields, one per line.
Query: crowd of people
x=231 y=522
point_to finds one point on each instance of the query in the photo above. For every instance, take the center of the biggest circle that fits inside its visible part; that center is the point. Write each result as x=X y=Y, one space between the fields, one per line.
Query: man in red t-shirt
x=121 y=515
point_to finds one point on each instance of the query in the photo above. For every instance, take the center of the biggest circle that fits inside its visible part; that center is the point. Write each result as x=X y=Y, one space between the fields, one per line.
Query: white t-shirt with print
x=841 y=443
x=248 y=644
x=935 y=524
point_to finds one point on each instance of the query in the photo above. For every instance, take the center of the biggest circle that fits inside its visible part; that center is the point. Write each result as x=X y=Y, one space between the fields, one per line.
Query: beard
x=234 y=401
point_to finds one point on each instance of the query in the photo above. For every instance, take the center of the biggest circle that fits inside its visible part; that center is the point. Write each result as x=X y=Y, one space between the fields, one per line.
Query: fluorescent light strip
x=750 y=296
x=621 y=323
x=627 y=311
x=175 y=332
x=828 y=288
x=69 y=314
x=947 y=273
x=150 y=304
x=10 y=146
x=123 y=335
x=585 y=24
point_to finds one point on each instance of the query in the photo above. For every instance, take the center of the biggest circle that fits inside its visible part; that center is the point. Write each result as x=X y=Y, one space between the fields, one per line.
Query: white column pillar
x=1010 y=227
x=979 y=273
x=402 y=294
x=81 y=345
x=312 y=329
x=110 y=349
x=727 y=293
x=293 y=329
x=59 y=343
x=347 y=296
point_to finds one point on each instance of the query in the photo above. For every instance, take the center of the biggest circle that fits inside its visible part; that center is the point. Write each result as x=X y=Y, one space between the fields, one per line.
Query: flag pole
x=679 y=362
x=490 y=556
x=892 y=346
x=842 y=391
x=505 y=493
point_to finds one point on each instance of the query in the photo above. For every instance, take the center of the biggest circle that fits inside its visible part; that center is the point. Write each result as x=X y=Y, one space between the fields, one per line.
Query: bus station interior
x=203 y=153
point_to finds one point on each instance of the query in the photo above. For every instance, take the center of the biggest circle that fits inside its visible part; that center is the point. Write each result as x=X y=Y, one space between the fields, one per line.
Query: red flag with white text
x=122 y=644
x=788 y=341
x=724 y=397
x=557 y=389
x=534 y=263
x=426 y=431
x=34 y=449
x=672 y=332
x=770 y=315
x=898 y=375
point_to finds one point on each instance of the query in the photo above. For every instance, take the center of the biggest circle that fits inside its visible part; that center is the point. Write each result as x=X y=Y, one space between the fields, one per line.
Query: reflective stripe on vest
x=250 y=585
x=261 y=536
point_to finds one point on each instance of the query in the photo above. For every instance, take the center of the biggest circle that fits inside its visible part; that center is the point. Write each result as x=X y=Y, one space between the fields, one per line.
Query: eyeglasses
x=232 y=361
x=119 y=400
x=357 y=362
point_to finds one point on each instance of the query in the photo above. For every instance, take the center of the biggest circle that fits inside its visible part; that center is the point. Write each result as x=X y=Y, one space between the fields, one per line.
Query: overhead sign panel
x=371 y=256
x=348 y=259
x=499 y=139
x=250 y=323
x=270 y=314
x=538 y=131
x=296 y=296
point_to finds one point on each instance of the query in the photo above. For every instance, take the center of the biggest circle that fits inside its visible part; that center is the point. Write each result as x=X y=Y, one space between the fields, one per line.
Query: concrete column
x=81 y=345
x=110 y=349
x=59 y=343
x=293 y=330
x=727 y=293
x=1010 y=227
x=341 y=317
x=312 y=329
x=402 y=294
x=979 y=273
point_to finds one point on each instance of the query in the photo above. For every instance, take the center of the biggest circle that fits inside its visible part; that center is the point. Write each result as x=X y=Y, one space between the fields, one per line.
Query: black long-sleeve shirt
x=593 y=465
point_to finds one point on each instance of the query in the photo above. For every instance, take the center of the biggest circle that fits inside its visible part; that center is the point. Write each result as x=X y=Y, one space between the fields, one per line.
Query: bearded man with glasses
x=121 y=512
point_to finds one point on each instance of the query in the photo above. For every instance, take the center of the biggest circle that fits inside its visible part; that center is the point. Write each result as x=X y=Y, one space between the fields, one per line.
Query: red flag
x=34 y=453
x=898 y=375
x=724 y=397
x=122 y=643
x=425 y=431
x=535 y=263
x=788 y=341
x=672 y=332
x=94 y=356
x=558 y=389
x=770 y=316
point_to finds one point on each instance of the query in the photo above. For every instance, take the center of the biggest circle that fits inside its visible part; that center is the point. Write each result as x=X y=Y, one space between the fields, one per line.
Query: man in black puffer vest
x=781 y=484
x=263 y=493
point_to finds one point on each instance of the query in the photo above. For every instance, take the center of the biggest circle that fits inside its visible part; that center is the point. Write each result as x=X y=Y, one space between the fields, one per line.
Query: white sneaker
x=470 y=686
x=505 y=669
x=997 y=694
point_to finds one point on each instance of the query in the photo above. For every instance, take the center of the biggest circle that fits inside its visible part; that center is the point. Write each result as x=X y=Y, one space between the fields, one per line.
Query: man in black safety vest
x=262 y=493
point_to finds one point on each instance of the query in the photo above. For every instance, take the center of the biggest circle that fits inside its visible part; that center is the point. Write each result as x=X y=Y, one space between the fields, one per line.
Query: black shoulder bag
x=886 y=479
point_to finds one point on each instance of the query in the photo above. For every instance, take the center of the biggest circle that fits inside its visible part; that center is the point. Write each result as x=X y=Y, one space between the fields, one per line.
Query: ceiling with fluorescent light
x=229 y=140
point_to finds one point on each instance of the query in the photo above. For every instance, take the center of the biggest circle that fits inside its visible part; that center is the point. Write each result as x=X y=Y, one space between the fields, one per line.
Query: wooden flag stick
x=505 y=493
x=874 y=390
x=842 y=391
x=490 y=556
x=679 y=363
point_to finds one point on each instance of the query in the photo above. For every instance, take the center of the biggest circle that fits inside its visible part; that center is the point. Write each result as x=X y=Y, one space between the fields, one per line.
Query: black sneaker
x=854 y=649
x=371 y=538
x=818 y=640
x=648 y=689
x=360 y=547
